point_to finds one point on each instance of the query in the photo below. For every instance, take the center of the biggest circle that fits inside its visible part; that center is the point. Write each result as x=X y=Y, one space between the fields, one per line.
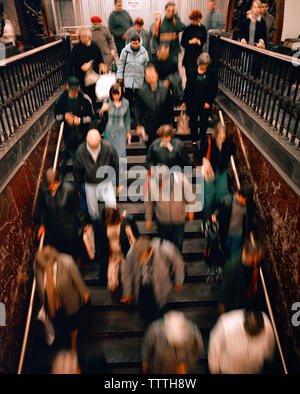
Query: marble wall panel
x=17 y=248
x=279 y=230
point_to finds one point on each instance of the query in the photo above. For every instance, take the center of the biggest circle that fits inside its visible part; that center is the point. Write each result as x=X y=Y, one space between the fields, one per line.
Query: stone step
x=194 y=271
x=192 y=294
x=137 y=210
x=120 y=353
x=124 y=323
x=140 y=148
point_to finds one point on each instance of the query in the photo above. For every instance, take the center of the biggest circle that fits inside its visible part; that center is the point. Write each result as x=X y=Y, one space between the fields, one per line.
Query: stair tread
x=190 y=293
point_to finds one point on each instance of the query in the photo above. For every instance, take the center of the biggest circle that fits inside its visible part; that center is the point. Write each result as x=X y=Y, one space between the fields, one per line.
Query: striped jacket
x=169 y=34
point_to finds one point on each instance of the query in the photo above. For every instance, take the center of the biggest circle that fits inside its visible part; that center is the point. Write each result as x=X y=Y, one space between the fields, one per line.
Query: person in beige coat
x=61 y=289
x=105 y=41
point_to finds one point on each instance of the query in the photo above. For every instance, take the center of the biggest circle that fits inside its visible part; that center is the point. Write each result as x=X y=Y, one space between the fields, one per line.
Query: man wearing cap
x=76 y=110
x=105 y=41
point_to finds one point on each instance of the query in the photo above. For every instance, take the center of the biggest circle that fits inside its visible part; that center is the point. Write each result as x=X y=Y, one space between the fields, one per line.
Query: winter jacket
x=70 y=286
x=105 y=42
x=74 y=135
x=193 y=51
x=86 y=170
x=260 y=31
x=153 y=109
x=166 y=262
x=62 y=214
x=158 y=154
x=145 y=38
x=200 y=89
x=169 y=34
x=170 y=201
x=131 y=67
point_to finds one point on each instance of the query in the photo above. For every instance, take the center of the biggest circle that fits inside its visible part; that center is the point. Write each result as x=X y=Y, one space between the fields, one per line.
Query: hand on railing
x=41 y=232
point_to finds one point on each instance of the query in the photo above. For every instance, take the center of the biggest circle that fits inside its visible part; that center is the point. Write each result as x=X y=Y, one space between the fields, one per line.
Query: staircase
x=115 y=330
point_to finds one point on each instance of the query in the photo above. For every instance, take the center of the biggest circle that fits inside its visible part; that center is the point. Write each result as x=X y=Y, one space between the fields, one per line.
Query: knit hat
x=96 y=19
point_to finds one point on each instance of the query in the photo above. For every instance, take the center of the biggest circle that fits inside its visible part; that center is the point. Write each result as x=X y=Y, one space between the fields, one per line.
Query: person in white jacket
x=240 y=342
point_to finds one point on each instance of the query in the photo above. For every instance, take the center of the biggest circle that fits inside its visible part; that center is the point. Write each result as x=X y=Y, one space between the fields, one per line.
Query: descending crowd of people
x=133 y=267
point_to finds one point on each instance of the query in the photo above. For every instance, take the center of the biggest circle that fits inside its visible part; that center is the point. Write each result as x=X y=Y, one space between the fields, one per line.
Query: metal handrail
x=33 y=289
x=12 y=59
x=273 y=54
x=260 y=269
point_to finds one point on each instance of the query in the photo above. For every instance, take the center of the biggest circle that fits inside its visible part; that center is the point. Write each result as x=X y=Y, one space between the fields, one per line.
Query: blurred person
x=199 y=95
x=153 y=268
x=65 y=363
x=169 y=29
x=61 y=289
x=253 y=28
x=153 y=105
x=167 y=150
x=241 y=342
x=214 y=19
x=119 y=22
x=154 y=30
x=117 y=130
x=270 y=22
x=144 y=35
x=235 y=214
x=105 y=41
x=193 y=39
x=167 y=69
x=131 y=70
x=86 y=56
x=214 y=155
x=239 y=286
x=61 y=218
x=169 y=193
x=172 y=345
x=9 y=34
x=114 y=235
x=75 y=109
x=91 y=156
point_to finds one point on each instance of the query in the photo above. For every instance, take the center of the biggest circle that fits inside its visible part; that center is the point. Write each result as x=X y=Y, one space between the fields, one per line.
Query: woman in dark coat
x=193 y=39
x=114 y=235
x=199 y=95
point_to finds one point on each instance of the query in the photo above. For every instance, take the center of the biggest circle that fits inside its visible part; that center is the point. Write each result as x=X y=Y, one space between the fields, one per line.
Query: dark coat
x=193 y=51
x=223 y=213
x=74 y=135
x=260 y=30
x=153 y=109
x=197 y=92
x=62 y=214
x=159 y=155
x=85 y=169
x=219 y=159
x=82 y=54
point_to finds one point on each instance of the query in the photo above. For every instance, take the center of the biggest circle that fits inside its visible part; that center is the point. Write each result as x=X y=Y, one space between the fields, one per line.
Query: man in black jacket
x=76 y=110
x=61 y=218
x=153 y=106
x=97 y=169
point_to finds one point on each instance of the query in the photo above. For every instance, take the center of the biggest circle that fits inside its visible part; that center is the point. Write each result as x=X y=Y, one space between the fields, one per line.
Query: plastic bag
x=91 y=77
x=104 y=84
x=183 y=127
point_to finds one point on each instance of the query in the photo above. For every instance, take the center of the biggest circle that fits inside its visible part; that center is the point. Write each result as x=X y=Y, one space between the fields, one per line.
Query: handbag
x=183 y=127
x=103 y=85
x=91 y=77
